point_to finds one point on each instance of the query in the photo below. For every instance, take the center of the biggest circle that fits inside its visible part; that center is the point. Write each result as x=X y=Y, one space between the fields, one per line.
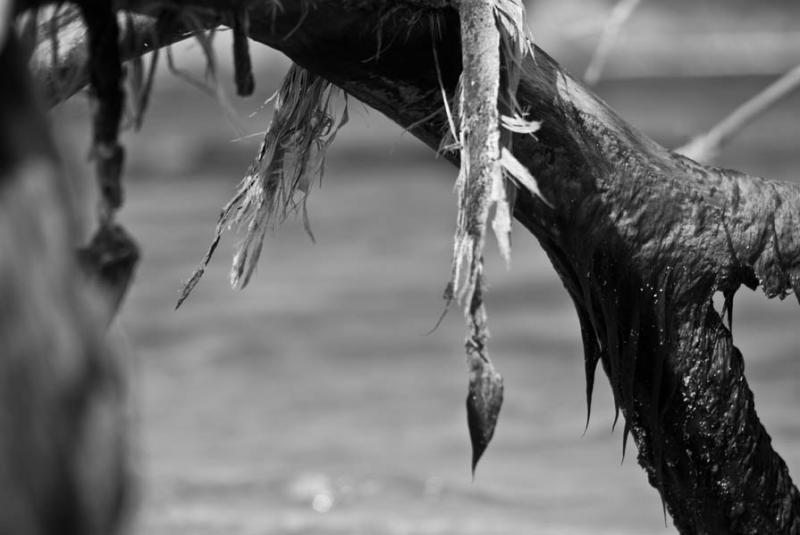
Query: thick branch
x=640 y=237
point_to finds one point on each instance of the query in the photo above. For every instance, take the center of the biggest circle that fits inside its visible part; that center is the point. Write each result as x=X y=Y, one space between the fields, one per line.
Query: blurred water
x=313 y=403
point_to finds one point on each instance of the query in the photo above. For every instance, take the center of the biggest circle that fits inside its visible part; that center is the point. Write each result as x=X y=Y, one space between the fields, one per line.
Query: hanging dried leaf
x=485 y=395
x=243 y=68
x=483 y=405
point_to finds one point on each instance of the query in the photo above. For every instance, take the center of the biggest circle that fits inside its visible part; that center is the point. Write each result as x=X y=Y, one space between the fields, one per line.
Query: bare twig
x=619 y=16
x=706 y=147
x=6 y=15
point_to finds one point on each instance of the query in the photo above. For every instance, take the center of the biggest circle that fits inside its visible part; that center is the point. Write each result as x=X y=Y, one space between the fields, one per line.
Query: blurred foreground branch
x=63 y=458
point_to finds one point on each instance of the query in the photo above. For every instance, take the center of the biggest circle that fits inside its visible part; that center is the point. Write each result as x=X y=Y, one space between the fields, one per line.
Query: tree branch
x=705 y=148
x=641 y=238
x=619 y=16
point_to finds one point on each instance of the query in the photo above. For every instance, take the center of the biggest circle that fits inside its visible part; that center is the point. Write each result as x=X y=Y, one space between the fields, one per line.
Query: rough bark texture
x=641 y=238
x=63 y=465
x=479 y=179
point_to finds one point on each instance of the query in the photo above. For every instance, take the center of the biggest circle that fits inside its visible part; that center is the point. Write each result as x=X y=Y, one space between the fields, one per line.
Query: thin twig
x=619 y=16
x=706 y=147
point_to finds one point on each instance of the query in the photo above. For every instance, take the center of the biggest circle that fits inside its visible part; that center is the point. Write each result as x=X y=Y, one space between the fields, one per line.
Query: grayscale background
x=312 y=402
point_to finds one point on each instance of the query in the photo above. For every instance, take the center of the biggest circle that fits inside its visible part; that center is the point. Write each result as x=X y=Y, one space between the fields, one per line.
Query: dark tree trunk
x=641 y=238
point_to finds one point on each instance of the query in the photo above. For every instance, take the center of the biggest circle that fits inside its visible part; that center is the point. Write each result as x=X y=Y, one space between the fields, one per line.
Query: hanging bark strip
x=479 y=138
x=480 y=184
x=291 y=158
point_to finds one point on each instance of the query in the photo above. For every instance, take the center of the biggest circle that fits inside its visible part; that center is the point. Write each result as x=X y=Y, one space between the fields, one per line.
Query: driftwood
x=642 y=239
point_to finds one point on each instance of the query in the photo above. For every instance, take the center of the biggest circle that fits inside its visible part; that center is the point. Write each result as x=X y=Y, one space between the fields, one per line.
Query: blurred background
x=312 y=402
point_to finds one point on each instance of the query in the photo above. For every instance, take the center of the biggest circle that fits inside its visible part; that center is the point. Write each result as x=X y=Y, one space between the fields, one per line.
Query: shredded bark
x=290 y=159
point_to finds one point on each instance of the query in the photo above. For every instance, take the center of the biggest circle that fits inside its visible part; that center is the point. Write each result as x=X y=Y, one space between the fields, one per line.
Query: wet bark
x=641 y=238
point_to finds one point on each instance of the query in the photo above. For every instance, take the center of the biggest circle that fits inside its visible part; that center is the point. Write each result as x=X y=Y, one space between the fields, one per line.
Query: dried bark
x=642 y=238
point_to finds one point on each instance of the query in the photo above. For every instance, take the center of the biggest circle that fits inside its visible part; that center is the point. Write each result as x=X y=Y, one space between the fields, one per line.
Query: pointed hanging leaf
x=483 y=404
x=485 y=395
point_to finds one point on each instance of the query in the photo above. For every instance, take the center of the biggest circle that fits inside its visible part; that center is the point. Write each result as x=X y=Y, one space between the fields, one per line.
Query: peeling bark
x=641 y=238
